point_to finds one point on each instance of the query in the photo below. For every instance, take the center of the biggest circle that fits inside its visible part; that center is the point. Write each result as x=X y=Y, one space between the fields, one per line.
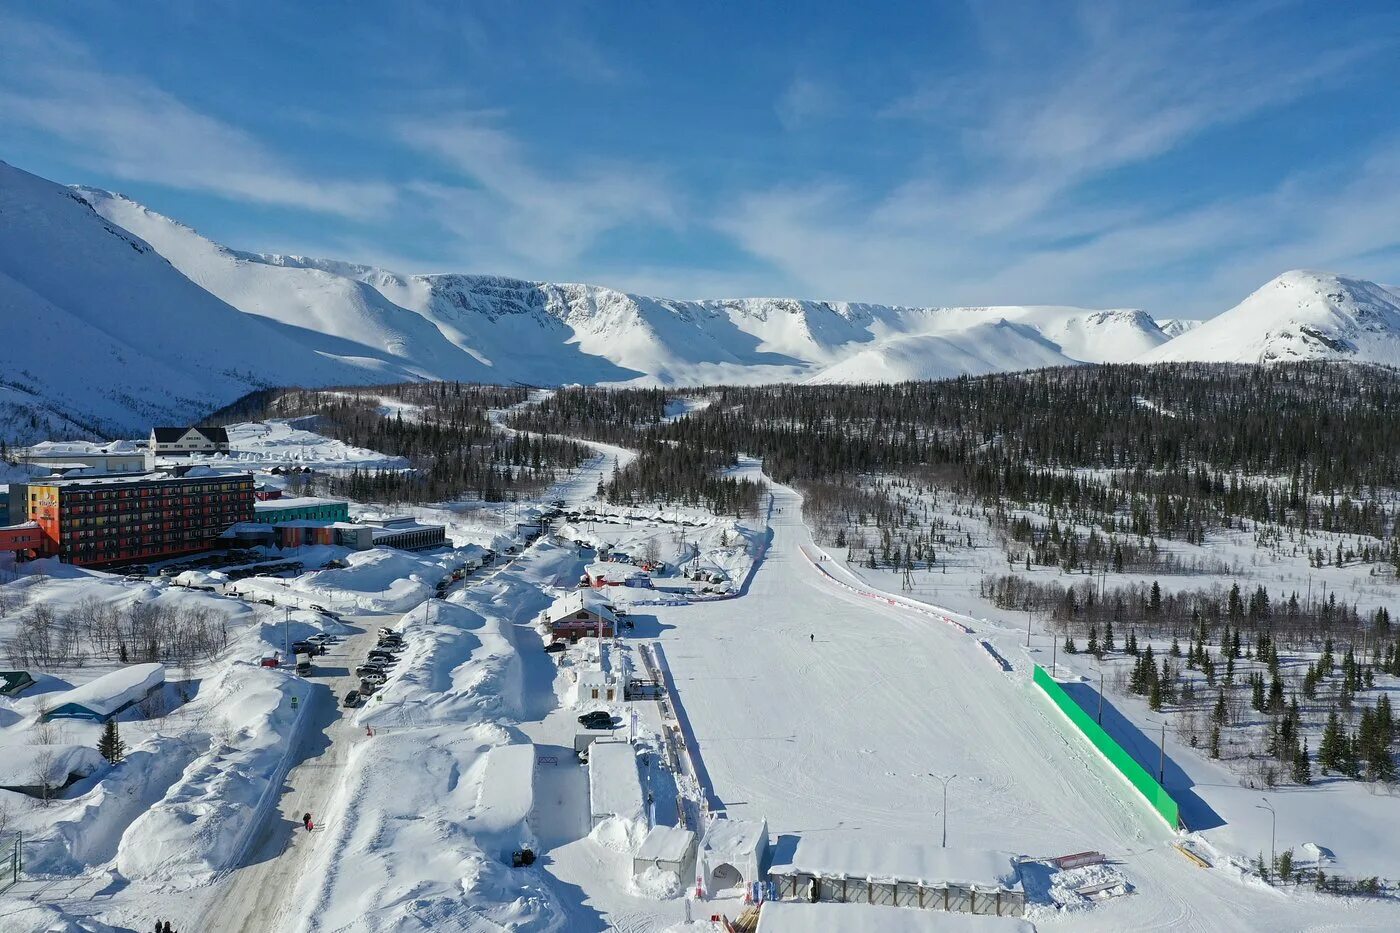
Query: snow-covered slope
x=118 y=317
x=1300 y=315
x=1175 y=327
x=332 y=314
x=983 y=348
x=103 y=336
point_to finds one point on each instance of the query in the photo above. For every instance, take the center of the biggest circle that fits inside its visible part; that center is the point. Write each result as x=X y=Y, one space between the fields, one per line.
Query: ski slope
x=821 y=710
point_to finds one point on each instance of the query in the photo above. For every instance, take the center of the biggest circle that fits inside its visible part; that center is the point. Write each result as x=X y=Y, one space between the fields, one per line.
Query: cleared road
x=253 y=898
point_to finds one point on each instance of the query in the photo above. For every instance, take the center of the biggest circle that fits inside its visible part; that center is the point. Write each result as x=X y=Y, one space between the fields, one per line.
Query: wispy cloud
x=132 y=129
x=1004 y=206
x=504 y=207
x=803 y=100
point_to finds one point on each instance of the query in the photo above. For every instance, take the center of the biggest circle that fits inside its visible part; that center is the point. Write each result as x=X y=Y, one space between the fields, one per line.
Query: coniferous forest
x=452 y=447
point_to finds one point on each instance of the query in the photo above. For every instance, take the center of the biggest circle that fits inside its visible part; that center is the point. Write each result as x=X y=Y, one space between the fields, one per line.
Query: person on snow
x=812 y=639
x=306 y=820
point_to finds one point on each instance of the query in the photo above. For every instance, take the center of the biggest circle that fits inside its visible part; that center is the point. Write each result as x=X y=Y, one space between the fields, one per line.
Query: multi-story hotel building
x=101 y=520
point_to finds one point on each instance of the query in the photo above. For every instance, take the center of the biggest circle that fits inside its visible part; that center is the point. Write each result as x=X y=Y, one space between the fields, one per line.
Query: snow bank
x=30 y=765
x=405 y=851
x=854 y=854
x=201 y=824
x=799 y=917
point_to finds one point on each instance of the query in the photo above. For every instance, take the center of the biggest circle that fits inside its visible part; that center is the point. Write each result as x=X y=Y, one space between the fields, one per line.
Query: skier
x=812 y=639
x=306 y=821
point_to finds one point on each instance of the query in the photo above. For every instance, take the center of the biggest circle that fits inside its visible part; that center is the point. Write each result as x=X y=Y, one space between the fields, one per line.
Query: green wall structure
x=1136 y=775
x=273 y=512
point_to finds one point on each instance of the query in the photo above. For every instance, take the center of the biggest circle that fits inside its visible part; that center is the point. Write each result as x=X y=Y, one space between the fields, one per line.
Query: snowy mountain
x=1175 y=327
x=1300 y=315
x=103 y=336
x=122 y=317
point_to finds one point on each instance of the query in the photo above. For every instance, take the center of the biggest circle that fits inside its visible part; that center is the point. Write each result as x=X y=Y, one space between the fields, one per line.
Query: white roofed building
x=668 y=848
x=732 y=853
x=106 y=696
x=579 y=614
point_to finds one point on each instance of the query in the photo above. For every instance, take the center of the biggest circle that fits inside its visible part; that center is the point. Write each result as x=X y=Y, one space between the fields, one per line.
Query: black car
x=598 y=719
x=555 y=646
x=352 y=698
x=308 y=647
x=364 y=670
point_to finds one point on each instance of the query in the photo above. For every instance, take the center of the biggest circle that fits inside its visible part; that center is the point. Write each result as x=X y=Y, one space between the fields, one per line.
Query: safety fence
x=898 y=601
x=1135 y=774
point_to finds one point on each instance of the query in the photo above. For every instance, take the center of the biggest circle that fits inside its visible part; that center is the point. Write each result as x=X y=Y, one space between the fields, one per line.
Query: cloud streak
x=502 y=208
x=134 y=130
x=1005 y=208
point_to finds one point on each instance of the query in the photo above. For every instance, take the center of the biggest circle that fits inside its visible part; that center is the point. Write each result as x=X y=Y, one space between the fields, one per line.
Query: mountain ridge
x=166 y=324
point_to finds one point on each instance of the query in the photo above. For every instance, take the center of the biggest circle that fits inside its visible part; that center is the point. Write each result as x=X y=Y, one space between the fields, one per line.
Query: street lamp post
x=1100 y=694
x=1273 y=828
x=1162 y=763
x=1028 y=628
x=945 y=781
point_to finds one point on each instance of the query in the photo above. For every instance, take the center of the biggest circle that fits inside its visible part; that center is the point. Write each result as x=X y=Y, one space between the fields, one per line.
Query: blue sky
x=1158 y=155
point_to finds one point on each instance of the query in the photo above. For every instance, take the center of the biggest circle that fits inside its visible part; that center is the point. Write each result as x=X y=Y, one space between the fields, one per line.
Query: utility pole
x=1028 y=628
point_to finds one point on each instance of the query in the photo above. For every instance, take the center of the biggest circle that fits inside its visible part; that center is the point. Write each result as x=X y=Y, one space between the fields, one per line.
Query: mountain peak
x=1302 y=314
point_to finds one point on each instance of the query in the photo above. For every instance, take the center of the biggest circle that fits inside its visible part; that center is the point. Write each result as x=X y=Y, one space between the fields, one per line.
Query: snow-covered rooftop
x=735 y=838
x=611 y=570
x=110 y=692
x=666 y=844
x=295 y=502
x=614 y=784
x=130 y=479
x=852 y=854
x=578 y=601
x=30 y=765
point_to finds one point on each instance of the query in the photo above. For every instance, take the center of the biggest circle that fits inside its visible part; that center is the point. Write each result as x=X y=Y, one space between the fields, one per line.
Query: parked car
x=365 y=670
x=312 y=648
x=597 y=719
x=270 y=662
x=321 y=638
x=267 y=601
x=382 y=654
x=369 y=688
x=352 y=698
x=555 y=646
x=320 y=609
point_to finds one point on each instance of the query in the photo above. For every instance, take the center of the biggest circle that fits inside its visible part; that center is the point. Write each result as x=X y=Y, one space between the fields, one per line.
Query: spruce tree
x=1302 y=767
x=110 y=745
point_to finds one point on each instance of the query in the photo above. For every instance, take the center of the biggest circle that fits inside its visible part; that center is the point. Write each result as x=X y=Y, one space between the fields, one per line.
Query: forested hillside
x=442 y=428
